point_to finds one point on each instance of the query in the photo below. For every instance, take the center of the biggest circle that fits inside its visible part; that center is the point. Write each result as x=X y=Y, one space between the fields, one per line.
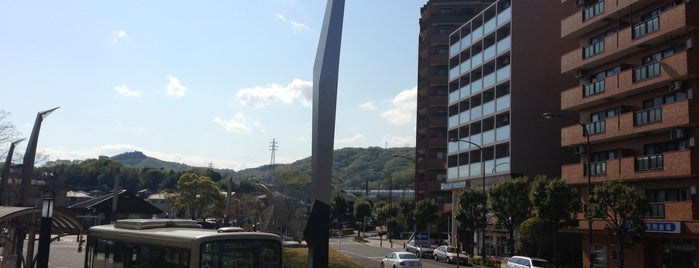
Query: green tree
x=339 y=208
x=470 y=213
x=533 y=240
x=200 y=195
x=622 y=209
x=152 y=178
x=556 y=203
x=362 y=209
x=426 y=213
x=510 y=204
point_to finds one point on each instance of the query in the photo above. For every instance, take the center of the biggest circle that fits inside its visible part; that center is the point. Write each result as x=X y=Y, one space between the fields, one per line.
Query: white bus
x=178 y=243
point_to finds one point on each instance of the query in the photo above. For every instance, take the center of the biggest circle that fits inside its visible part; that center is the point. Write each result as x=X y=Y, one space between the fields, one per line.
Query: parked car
x=419 y=250
x=401 y=259
x=449 y=254
x=527 y=262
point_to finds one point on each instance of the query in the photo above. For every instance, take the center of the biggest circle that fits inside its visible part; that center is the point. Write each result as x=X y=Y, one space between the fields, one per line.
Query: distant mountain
x=138 y=159
x=352 y=167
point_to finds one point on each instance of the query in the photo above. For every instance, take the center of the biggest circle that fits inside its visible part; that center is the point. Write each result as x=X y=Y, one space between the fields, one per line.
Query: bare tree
x=8 y=133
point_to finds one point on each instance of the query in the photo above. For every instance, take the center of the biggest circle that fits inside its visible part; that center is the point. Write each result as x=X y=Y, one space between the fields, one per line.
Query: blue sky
x=203 y=82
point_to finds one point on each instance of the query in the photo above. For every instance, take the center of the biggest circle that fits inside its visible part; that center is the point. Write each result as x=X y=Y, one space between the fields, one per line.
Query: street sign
x=422 y=236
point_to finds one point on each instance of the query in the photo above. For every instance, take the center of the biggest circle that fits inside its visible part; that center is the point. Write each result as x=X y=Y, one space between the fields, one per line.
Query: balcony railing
x=594 y=88
x=596 y=127
x=593 y=49
x=646 y=27
x=593 y=11
x=650 y=162
x=648 y=116
x=646 y=71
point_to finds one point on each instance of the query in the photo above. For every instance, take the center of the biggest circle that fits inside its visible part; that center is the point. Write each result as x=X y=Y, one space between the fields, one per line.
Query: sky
x=205 y=83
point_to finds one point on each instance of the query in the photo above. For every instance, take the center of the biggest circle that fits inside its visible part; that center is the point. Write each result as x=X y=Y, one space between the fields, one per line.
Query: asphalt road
x=370 y=254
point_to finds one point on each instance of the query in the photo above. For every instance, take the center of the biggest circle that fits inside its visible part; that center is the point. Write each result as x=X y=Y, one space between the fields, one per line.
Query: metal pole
x=587 y=169
x=390 y=202
x=484 y=204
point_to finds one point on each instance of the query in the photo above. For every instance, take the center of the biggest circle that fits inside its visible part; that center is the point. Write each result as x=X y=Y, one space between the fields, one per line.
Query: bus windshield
x=241 y=253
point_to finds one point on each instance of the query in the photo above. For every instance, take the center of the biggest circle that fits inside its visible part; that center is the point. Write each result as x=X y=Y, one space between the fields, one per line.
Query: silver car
x=401 y=259
x=420 y=251
x=527 y=262
x=449 y=254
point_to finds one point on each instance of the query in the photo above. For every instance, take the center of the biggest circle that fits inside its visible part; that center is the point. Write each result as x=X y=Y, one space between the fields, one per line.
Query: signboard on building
x=663 y=227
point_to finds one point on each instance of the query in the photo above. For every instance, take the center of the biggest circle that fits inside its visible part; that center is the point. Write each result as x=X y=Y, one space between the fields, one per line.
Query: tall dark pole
x=4 y=200
x=588 y=173
x=325 y=72
x=485 y=201
x=42 y=256
x=390 y=202
x=29 y=155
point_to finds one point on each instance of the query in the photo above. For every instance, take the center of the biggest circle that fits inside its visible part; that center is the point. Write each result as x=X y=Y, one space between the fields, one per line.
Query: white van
x=527 y=262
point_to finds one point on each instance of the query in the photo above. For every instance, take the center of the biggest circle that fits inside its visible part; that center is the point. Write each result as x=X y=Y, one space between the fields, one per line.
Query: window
x=657 y=198
x=502 y=150
x=594 y=10
x=599 y=255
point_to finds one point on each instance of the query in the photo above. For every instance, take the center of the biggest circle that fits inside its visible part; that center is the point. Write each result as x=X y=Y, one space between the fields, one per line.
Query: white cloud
x=118 y=35
x=404 y=108
x=295 y=25
x=355 y=138
x=239 y=124
x=125 y=91
x=258 y=97
x=175 y=88
x=369 y=106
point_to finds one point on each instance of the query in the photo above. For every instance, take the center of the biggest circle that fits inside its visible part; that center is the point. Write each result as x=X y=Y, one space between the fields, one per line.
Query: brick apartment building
x=637 y=67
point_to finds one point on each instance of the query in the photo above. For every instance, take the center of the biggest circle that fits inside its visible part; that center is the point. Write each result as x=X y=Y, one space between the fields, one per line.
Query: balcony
x=437 y=59
x=436 y=142
x=625 y=125
x=432 y=101
x=592 y=17
x=622 y=85
x=676 y=164
x=630 y=39
x=438 y=164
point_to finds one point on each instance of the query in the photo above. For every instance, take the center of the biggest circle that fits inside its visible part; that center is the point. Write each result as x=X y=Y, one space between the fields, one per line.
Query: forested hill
x=140 y=160
x=351 y=166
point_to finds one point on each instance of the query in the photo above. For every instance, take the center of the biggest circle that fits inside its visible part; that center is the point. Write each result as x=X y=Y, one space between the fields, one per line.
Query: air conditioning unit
x=580 y=73
x=675 y=85
x=690 y=43
x=677 y=133
x=580 y=149
x=579 y=2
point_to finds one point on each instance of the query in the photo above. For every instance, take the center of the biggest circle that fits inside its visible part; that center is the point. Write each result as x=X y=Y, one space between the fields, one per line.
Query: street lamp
x=390 y=201
x=42 y=256
x=484 y=193
x=415 y=189
x=587 y=170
